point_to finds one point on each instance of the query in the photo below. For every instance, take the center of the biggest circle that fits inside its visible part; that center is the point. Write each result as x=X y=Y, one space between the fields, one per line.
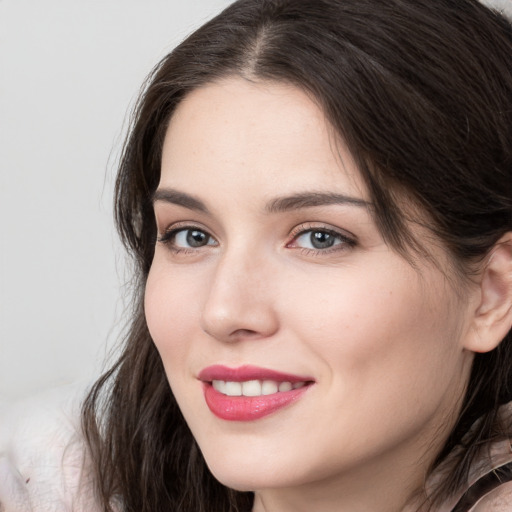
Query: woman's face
x=271 y=278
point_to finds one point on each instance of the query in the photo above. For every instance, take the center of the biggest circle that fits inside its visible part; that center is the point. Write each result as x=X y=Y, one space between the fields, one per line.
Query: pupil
x=196 y=238
x=321 y=240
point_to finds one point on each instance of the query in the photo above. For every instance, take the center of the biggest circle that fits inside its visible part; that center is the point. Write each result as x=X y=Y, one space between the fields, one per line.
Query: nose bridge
x=239 y=299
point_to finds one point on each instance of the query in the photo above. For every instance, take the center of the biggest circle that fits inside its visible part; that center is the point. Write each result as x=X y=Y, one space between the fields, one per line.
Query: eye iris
x=196 y=238
x=321 y=240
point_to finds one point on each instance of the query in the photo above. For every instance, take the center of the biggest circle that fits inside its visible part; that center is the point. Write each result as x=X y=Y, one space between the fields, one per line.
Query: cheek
x=380 y=331
x=170 y=304
x=388 y=353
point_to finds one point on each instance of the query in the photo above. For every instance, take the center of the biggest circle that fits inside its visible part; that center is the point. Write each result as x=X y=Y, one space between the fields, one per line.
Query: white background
x=69 y=71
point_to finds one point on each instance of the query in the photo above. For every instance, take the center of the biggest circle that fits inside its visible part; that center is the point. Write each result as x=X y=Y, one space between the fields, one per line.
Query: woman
x=327 y=287
x=318 y=198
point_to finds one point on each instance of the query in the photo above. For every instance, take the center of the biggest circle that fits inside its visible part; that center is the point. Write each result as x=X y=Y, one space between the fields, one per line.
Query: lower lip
x=249 y=408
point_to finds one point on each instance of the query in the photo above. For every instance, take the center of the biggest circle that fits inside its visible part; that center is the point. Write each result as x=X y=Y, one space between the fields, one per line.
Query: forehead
x=243 y=133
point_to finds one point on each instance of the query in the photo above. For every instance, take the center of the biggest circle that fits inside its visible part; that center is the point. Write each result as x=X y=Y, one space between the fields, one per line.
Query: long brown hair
x=421 y=93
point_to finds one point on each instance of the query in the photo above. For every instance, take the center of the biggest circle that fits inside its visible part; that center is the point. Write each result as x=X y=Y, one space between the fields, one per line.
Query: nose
x=240 y=300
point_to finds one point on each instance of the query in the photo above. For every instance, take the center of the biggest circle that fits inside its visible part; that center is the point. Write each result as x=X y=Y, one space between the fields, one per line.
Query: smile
x=248 y=393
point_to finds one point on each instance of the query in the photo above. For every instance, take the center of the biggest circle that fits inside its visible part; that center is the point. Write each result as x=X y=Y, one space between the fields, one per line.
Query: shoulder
x=43 y=463
x=498 y=500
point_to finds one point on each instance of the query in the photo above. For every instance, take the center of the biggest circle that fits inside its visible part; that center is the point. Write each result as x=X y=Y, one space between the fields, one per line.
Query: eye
x=187 y=238
x=317 y=240
x=191 y=238
x=320 y=239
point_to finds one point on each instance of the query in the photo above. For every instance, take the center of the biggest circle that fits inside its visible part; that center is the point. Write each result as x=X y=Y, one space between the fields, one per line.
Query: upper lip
x=247 y=372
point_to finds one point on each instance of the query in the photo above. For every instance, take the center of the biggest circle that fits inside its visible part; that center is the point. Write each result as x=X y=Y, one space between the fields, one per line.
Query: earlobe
x=493 y=316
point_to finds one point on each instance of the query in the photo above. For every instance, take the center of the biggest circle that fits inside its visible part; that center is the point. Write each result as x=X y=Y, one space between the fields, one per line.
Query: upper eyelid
x=177 y=226
x=320 y=226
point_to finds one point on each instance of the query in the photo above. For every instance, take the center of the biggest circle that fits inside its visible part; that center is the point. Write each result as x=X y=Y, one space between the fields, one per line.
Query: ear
x=493 y=316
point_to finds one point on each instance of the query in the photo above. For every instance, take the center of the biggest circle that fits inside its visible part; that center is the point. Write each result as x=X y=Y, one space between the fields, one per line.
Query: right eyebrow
x=312 y=199
x=169 y=195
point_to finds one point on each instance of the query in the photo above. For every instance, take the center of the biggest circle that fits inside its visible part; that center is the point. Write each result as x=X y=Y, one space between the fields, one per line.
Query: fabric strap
x=483 y=486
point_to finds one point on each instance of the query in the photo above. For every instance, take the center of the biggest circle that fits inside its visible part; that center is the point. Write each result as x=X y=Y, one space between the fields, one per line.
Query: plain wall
x=69 y=71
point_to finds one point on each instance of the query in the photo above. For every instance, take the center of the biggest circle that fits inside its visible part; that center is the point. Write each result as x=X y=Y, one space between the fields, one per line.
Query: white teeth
x=285 y=386
x=254 y=387
x=251 y=388
x=220 y=386
x=269 y=387
x=233 y=389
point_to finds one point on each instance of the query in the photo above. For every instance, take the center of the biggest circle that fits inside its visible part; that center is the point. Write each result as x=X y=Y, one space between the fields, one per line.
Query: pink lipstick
x=248 y=393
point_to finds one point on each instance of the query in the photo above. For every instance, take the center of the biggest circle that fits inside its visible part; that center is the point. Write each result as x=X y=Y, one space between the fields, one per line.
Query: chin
x=252 y=473
x=240 y=475
x=248 y=482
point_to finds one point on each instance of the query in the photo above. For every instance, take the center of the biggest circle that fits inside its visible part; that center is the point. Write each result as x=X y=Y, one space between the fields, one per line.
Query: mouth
x=248 y=393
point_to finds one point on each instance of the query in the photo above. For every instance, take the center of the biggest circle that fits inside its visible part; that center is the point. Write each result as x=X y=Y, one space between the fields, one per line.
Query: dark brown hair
x=421 y=93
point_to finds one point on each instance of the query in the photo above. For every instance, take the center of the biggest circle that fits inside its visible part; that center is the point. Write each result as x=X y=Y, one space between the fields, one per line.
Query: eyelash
x=169 y=236
x=344 y=241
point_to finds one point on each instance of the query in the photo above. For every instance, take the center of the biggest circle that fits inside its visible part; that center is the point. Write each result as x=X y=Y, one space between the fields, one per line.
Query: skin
x=385 y=343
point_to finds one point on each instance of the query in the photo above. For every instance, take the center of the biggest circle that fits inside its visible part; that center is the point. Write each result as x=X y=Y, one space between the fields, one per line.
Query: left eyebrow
x=312 y=199
x=169 y=195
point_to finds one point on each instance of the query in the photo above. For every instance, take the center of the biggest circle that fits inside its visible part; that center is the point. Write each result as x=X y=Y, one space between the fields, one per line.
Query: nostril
x=245 y=333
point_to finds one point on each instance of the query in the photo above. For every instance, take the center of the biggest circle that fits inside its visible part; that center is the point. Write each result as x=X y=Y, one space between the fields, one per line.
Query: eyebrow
x=277 y=205
x=168 y=195
x=312 y=199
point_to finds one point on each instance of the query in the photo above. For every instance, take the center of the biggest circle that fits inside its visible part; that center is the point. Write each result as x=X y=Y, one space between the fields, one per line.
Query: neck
x=383 y=495
x=390 y=483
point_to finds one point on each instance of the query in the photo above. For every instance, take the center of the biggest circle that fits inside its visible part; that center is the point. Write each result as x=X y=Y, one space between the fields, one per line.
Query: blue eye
x=318 y=239
x=321 y=240
x=191 y=238
x=187 y=238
